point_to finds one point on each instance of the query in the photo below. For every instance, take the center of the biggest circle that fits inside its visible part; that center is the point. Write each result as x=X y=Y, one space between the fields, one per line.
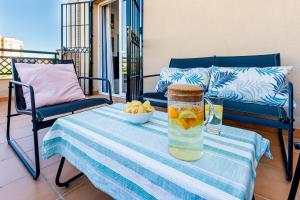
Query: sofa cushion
x=266 y=86
x=52 y=83
x=64 y=108
x=193 y=76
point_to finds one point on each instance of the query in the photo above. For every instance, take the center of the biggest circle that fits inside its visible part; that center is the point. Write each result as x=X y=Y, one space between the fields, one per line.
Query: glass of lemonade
x=186 y=121
x=215 y=125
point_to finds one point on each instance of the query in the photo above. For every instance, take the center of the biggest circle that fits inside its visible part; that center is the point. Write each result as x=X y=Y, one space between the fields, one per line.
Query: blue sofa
x=276 y=117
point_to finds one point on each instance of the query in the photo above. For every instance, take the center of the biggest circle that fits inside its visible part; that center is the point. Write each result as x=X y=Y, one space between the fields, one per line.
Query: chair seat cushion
x=256 y=110
x=63 y=108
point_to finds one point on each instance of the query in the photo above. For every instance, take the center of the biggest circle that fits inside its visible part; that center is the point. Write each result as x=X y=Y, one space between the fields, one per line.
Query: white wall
x=197 y=28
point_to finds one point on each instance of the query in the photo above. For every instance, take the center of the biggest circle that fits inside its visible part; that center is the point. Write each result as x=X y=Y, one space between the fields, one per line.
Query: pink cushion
x=52 y=83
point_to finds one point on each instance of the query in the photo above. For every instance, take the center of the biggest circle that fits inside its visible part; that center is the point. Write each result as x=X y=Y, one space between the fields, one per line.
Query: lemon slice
x=218 y=110
x=206 y=108
x=187 y=114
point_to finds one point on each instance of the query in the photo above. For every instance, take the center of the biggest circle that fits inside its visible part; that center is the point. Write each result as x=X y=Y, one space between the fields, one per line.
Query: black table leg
x=58 y=174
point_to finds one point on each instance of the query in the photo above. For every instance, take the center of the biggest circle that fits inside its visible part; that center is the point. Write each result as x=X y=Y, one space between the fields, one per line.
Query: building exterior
x=197 y=28
x=11 y=43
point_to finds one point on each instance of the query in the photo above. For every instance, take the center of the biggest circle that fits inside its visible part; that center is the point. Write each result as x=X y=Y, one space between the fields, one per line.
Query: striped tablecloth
x=130 y=161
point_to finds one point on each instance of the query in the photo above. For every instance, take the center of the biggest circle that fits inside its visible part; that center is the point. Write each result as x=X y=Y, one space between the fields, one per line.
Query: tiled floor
x=16 y=183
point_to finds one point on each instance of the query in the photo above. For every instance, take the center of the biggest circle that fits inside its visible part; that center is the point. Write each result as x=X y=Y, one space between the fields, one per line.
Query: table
x=129 y=161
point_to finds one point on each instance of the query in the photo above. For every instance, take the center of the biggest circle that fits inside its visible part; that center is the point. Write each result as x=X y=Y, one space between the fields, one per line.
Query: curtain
x=107 y=57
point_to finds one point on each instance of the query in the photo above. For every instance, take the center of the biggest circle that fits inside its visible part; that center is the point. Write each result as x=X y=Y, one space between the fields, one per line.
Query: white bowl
x=138 y=118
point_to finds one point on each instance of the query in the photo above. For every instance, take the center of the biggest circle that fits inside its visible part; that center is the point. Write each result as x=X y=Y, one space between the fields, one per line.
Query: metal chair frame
x=36 y=123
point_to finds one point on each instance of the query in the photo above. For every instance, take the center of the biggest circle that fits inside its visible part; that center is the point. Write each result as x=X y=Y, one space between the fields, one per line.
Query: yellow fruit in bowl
x=137 y=107
x=137 y=112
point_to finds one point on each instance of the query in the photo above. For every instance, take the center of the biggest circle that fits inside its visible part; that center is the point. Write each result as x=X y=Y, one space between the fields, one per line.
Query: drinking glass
x=214 y=126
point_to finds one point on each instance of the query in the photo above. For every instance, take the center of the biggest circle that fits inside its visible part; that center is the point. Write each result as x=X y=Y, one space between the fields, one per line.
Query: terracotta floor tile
x=26 y=143
x=86 y=191
x=270 y=179
x=20 y=132
x=260 y=197
x=43 y=162
x=277 y=158
x=68 y=172
x=11 y=170
x=26 y=188
x=2 y=135
x=5 y=152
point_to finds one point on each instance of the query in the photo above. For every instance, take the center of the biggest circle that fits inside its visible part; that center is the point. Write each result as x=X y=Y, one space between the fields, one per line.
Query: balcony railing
x=28 y=56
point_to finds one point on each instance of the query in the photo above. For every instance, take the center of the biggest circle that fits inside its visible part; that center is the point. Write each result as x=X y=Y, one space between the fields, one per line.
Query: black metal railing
x=29 y=56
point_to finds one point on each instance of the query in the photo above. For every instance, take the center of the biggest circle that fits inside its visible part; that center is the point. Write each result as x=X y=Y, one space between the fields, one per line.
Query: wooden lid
x=184 y=89
x=184 y=92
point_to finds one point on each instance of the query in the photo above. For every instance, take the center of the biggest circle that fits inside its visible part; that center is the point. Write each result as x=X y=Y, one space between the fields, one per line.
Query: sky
x=35 y=22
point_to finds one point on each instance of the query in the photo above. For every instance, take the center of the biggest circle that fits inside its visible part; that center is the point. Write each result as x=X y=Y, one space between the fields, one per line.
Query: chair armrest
x=31 y=92
x=151 y=75
x=101 y=79
x=146 y=76
x=291 y=102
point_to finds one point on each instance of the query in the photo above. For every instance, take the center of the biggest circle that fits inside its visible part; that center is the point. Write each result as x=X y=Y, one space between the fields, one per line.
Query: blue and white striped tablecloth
x=130 y=161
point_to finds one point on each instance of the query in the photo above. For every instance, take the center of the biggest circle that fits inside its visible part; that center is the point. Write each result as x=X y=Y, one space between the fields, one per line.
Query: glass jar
x=186 y=121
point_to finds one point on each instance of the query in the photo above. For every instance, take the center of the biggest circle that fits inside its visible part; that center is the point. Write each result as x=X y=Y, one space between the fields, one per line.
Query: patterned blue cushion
x=192 y=76
x=266 y=86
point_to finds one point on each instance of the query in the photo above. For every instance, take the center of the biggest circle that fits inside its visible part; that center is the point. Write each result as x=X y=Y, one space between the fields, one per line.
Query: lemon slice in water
x=218 y=110
x=187 y=114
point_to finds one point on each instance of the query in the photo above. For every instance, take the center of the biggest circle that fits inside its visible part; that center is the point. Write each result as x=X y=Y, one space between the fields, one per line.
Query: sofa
x=271 y=116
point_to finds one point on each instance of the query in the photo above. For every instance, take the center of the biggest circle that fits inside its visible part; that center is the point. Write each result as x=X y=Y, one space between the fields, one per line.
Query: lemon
x=187 y=114
x=218 y=110
x=206 y=108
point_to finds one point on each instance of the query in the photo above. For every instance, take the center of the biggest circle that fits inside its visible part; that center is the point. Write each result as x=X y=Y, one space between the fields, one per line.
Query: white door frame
x=100 y=5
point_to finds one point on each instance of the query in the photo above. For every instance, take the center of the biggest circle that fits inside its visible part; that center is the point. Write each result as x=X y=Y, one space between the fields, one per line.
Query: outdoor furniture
x=129 y=161
x=296 y=178
x=271 y=116
x=40 y=115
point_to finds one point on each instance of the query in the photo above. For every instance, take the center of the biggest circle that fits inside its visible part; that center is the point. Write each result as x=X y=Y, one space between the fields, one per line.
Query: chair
x=40 y=115
x=296 y=178
x=244 y=112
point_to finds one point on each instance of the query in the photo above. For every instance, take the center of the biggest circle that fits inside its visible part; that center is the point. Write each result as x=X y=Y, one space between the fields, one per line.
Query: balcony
x=16 y=182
